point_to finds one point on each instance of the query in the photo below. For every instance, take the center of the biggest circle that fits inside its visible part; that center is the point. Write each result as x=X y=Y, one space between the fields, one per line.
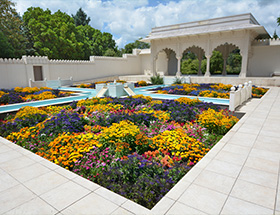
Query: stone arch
x=225 y=49
x=166 y=61
x=200 y=54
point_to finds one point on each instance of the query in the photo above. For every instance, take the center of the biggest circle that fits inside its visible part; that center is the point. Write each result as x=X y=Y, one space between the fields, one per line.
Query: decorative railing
x=239 y=94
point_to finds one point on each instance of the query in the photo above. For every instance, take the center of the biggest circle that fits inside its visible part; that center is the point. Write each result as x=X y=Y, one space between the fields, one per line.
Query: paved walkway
x=240 y=175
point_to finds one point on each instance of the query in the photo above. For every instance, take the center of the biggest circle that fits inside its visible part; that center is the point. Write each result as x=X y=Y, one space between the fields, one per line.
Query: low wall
x=265 y=60
x=18 y=72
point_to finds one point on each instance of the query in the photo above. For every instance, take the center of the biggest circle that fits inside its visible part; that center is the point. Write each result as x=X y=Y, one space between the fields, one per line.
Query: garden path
x=240 y=175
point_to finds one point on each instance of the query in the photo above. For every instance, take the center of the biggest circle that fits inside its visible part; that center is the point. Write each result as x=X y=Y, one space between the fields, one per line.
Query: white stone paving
x=240 y=175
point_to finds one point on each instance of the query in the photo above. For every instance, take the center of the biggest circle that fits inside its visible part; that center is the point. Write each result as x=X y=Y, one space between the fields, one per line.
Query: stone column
x=178 y=65
x=207 y=73
x=224 y=73
x=244 y=64
x=153 y=64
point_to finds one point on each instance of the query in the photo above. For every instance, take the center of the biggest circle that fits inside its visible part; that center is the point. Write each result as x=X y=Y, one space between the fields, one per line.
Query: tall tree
x=11 y=26
x=81 y=18
x=275 y=36
x=6 y=49
x=278 y=20
x=137 y=44
x=54 y=35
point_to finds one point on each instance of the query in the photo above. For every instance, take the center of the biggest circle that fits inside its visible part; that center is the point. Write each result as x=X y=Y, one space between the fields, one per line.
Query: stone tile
x=65 y=195
x=233 y=158
x=9 y=156
x=270 y=133
x=29 y=172
x=243 y=139
x=262 y=164
x=180 y=208
x=203 y=199
x=135 y=208
x=224 y=168
x=267 y=155
x=32 y=156
x=277 y=206
x=5 y=141
x=91 y=204
x=121 y=211
x=236 y=206
x=192 y=174
x=4 y=148
x=14 y=197
x=236 y=149
x=178 y=189
x=250 y=129
x=268 y=143
x=110 y=195
x=49 y=164
x=50 y=180
x=162 y=206
x=66 y=173
x=34 y=207
x=86 y=183
x=260 y=195
x=7 y=181
x=203 y=162
x=215 y=181
x=19 y=163
x=259 y=177
x=255 y=121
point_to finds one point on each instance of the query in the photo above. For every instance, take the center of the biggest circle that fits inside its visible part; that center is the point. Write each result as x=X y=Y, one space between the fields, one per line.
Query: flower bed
x=206 y=90
x=135 y=146
x=27 y=94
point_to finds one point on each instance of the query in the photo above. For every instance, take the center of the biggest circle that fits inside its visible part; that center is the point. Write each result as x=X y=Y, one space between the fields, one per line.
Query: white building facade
x=222 y=34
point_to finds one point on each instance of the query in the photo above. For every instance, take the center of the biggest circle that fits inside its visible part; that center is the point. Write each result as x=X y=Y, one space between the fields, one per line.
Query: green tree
x=54 y=35
x=216 y=62
x=278 y=20
x=11 y=26
x=234 y=62
x=6 y=48
x=81 y=18
x=137 y=44
x=275 y=36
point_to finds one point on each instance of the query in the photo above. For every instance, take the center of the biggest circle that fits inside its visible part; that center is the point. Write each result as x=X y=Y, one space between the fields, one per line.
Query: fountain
x=115 y=89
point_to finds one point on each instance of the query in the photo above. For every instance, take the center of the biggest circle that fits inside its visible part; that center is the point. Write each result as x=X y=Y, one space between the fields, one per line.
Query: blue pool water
x=89 y=93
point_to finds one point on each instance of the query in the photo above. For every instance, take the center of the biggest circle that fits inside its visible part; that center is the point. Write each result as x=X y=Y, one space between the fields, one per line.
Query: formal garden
x=135 y=146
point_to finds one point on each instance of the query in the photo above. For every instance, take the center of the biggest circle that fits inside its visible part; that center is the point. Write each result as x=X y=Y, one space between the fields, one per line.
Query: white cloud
x=128 y=20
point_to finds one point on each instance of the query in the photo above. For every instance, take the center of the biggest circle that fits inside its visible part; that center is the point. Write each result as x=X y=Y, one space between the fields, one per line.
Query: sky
x=128 y=20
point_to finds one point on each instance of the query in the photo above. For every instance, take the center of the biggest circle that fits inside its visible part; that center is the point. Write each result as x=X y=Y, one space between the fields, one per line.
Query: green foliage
x=189 y=66
x=278 y=20
x=156 y=80
x=6 y=48
x=275 y=36
x=216 y=62
x=81 y=18
x=11 y=27
x=234 y=62
x=57 y=36
x=135 y=45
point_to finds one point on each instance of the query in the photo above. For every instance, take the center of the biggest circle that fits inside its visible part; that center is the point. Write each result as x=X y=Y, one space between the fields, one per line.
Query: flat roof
x=222 y=24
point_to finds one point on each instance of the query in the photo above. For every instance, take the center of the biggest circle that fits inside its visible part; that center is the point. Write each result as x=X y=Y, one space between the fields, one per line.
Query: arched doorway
x=192 y=61
x=226 y=59
x=166 y=62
